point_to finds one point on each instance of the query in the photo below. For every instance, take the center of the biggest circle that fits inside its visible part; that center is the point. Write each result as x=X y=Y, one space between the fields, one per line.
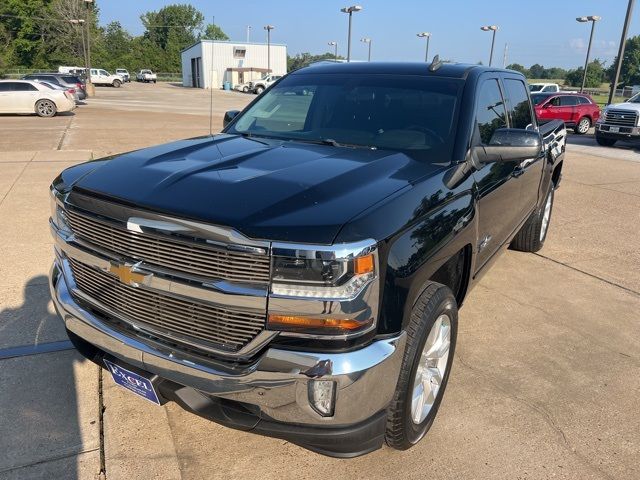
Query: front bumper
x=630 y=133
x=271 y=392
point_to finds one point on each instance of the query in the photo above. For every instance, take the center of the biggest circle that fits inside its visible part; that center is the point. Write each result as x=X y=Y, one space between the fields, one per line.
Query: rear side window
x=490 y=111
x=519 y=106
x=568 y=101
x=23 y=87
x=584 y=101
x=71 y=79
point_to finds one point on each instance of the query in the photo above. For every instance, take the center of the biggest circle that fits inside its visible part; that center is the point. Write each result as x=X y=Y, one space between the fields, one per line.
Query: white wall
x=223 y=58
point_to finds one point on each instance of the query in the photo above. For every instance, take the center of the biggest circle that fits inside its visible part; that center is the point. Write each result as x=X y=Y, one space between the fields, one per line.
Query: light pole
x=350 y=10
x=84 y=45
x=593 y=19
x=248 y=32
x=623 y=41
x=335 y=52
x=367 y=40
x=426 y=35
x=90 y=90
x=268 y=28
x=494 y=29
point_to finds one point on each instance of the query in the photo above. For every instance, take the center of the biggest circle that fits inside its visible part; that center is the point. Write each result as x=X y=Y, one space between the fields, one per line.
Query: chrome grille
x=624 y=118
x=188 y=257
x=182 y=320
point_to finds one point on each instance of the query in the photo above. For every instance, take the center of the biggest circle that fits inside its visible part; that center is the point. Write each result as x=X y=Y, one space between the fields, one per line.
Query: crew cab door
x=521 y=116
x=499 y=209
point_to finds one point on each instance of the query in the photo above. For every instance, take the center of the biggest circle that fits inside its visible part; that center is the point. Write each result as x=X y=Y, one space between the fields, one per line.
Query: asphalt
x=544 y=384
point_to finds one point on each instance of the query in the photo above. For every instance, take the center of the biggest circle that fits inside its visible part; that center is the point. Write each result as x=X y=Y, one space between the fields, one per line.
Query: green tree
x=630 y=71
x=303 y=59
x=595 y=75
x=518 y=68
x=536 y=71
x=214 y=32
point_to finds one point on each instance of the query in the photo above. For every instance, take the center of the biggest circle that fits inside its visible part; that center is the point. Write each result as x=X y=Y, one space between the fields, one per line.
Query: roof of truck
x=452 y=70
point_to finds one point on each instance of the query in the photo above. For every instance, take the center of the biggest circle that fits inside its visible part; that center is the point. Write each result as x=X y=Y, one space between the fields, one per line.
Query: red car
x=576 y=110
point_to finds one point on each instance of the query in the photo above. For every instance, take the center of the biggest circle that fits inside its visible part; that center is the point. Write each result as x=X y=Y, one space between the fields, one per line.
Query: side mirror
x=228 y=116
x=510 y=145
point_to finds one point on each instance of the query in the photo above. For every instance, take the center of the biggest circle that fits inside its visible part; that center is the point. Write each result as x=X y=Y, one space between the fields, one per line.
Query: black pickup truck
x=299 y=275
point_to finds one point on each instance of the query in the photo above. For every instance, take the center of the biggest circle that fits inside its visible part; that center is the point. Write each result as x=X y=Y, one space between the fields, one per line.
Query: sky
x=540 y=31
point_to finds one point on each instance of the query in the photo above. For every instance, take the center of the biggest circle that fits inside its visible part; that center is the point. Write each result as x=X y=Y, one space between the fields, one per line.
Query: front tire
x=46 y=108
x=259 y=89
x=431 y=341
x=605 y=142
x=533 y=233
x=116 y=83
x=245 y=89
x=583 y=126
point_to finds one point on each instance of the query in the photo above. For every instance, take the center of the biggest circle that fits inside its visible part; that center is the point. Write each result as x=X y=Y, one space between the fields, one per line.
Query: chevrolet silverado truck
x=299 y=275
x=620 y=121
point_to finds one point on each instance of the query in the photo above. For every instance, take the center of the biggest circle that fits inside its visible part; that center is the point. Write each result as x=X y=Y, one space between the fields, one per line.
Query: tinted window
x=535 y=88
x=538 y=98
x=584 y=100
x=71 y=79
x=490 y=112
x=519 y=107
x=408 y=113
x=4 y=87
x=568 y=101
x=23 y=87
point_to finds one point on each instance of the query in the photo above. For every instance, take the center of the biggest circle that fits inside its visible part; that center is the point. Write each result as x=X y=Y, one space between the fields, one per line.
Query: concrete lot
x=545 y=382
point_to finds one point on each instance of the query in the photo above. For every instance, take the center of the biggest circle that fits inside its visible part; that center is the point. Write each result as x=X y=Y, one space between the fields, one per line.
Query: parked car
x=25 y=96
x=63 y=79
x=261 y=85
x=243 y=87
x=575 y=110
x=124 y=73
x=544 y=87
x=299 y=275
x=620 y=121
x=146 y=76
x=102 y=77
x=72 y=91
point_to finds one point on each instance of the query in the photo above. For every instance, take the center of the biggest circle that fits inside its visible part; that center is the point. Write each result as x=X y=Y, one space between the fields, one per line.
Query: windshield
x=408 y=113
x=538 y=98
x=634 y=99
x=535 y=88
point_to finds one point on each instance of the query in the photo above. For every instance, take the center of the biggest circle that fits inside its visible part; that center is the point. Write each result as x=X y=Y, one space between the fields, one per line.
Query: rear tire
x=259 y=89
x=583 y=126
x=245 y=89
x=533 y=233
x=605 y=142
x=116 y=83
x=431 y=341
x=46 y=108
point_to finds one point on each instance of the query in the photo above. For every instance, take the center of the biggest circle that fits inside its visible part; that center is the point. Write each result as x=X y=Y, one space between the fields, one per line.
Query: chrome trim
x=277 y=382
x=324 y=252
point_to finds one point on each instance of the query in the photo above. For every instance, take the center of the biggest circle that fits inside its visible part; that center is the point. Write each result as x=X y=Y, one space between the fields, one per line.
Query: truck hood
x=287 y=191
x=625 y=106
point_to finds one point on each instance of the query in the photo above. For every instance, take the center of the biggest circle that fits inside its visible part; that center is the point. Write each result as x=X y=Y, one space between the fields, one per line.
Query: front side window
x=535 y=88
x=376 y=111
x=104 y=72
x=519 y=107
x=568 y=101
x=490 y=111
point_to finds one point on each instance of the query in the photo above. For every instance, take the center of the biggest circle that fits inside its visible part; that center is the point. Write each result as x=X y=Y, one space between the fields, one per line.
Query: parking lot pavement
x=544 y=384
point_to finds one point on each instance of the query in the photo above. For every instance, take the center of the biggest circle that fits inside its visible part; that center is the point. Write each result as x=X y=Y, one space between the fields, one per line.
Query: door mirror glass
x=228 y=116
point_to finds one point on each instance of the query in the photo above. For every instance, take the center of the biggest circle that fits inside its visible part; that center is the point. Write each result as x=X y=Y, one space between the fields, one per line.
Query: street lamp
x=367 y=40
x=350 y=10
x=593 y=19
x=623 y=41
x=494 y=29
x=90 y=90
x=268 y=28
x=335 y=54
x=426 y=35
x=248 y=32
x=80 y=21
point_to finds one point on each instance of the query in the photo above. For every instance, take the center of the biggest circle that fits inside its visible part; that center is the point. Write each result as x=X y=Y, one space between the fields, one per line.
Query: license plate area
x=614 y=129
x=132 y=381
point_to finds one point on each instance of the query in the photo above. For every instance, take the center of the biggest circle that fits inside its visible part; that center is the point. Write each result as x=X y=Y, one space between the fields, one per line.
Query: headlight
x=321 y=290
x=58 y=215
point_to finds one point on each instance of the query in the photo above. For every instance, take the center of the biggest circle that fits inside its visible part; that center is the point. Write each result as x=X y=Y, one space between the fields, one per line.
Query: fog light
x=322 y=395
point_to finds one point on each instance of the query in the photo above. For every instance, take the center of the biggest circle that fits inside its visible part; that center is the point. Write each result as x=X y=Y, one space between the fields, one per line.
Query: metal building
x=214 y=62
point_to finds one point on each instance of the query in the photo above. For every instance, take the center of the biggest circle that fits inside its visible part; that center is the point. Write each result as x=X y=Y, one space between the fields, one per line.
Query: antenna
x=211 y=85
x=436 y=63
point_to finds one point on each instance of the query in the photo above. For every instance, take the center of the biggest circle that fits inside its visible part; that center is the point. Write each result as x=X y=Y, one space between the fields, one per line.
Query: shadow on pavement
x=40 y=408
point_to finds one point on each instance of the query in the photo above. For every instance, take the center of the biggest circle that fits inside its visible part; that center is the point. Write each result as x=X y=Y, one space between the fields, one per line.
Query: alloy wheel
x=546 y=216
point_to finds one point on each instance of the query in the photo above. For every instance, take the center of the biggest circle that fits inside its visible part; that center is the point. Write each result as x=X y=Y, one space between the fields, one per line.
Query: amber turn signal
x=292 y=322
x=363 y=264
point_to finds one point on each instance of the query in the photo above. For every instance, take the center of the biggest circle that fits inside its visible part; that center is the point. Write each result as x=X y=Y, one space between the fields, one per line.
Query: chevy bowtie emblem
x=128 y=275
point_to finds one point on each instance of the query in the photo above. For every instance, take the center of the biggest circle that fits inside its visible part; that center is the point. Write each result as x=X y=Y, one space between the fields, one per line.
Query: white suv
x=261 y=85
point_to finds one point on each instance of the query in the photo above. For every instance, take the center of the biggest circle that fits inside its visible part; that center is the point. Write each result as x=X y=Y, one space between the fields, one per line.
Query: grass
x=602 y=99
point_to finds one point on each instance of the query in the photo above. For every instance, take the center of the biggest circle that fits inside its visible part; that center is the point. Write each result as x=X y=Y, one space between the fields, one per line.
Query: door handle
x=517 y=172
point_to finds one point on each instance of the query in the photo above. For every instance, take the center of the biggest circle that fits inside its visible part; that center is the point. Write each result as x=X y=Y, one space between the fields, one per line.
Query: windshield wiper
x=254 y=137
x=333 y=143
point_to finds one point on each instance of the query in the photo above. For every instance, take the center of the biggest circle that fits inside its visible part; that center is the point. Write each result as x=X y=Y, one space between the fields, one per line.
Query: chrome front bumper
x=276 y=382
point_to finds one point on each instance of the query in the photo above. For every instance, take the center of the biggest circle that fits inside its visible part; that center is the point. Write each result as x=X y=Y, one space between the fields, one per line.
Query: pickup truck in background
x=124 y=74
x=102 y=77
x=299 y=275
x=575 y=110
x=146 y=76
x=261 y=85
x=620 y=121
